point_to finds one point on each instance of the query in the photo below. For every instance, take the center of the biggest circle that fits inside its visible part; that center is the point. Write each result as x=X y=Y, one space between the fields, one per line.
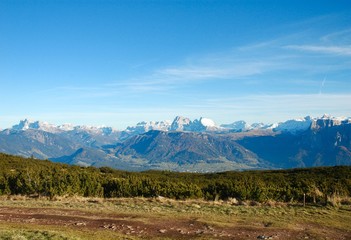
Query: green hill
x=34 y=177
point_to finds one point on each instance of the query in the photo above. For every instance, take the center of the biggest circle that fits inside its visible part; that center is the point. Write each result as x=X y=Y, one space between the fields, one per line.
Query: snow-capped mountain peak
x=207 y=122
x=142 y=127
x=22 y=125
x=329 y=121
x=301 y=124
x=66 y=127
x=28 y=124
x=198 y=125
x=180 y=124
x=294 y=125
x=241 y=126
x=236 y=126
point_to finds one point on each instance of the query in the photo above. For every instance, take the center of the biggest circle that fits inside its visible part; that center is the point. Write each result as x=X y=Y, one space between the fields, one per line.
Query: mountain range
x=185 y=145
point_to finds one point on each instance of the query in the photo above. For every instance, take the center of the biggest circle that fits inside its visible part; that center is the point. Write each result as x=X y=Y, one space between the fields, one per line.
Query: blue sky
x=116 y=63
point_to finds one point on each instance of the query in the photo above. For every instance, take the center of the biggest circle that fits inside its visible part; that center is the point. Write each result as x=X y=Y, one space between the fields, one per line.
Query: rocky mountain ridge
x=185 y=124
x=186 y=145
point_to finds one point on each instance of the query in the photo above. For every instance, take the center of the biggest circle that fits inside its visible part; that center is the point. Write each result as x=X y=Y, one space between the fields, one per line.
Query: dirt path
x=138 y=226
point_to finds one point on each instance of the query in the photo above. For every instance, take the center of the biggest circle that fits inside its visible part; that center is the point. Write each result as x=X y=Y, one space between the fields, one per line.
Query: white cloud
x=335 y=50
x=339 y=36
x=231 y=70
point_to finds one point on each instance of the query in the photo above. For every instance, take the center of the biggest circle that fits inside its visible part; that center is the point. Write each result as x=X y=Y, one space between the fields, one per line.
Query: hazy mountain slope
x=44 y=140
x=187 y=148
x=91 y=137
x=35 y=143
x=325 y=143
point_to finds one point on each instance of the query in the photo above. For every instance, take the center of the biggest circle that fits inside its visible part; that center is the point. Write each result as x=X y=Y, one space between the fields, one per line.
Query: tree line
x=27 y=176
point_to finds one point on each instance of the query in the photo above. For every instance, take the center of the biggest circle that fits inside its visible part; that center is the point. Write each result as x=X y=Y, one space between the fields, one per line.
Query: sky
x=116 y=63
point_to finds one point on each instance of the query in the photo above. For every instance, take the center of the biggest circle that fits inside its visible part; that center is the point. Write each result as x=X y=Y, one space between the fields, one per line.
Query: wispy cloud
x=339 y=36
x=197 y=70
x=322 y=85
x=233 y=69
x=252 y=63
x=335 y=50
x=261 y=62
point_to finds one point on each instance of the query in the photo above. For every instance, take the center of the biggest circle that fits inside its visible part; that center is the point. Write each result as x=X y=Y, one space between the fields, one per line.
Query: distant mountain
x=47 y=141
x=181 y=124
x=184 y=150
x=242 y=126
x=36 y=143
x=325 y=142
x=92 y=136
x=143 y=127
x=187 y=145
x=35 y=125
x=295 y=126
x=80 y=135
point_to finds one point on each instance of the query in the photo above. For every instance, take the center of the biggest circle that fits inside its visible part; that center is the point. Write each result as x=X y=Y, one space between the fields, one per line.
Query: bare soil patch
x=147 y=227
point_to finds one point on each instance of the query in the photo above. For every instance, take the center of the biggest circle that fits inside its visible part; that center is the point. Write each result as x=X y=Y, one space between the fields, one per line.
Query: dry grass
x=231 y=213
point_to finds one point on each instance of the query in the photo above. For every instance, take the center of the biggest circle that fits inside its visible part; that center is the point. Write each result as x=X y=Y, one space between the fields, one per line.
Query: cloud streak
x=231 y=70
x=335 y=50
x=252 y=63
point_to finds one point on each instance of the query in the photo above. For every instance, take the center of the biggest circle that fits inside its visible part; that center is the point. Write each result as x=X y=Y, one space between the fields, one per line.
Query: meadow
x=161 y=218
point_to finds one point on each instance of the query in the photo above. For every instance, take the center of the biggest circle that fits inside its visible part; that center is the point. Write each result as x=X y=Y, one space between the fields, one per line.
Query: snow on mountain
x=294 y=125
x=202 y=124
x=241 y=126
x=329 y=121
x=180 y=124
x=207 y=122
x=66 y=127
x=102 y=130
x=143 y=127
x=272 y=126
x=185 y=124
x=28 y=124
x=237 y=126
x=298 y=125
x=198 y=125
x=336 y=120
x=255 y=126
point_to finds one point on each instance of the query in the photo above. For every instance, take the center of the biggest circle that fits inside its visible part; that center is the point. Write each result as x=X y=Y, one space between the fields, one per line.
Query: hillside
x=43 y=178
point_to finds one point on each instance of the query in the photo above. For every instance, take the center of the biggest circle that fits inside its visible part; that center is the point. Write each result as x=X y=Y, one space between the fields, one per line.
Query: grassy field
x=160 y=218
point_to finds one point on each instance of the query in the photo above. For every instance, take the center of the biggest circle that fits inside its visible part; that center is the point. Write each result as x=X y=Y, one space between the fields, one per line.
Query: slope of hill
x=44 y=178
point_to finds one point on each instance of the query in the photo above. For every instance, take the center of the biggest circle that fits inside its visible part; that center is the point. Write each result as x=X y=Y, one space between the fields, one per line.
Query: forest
x=33 y=177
